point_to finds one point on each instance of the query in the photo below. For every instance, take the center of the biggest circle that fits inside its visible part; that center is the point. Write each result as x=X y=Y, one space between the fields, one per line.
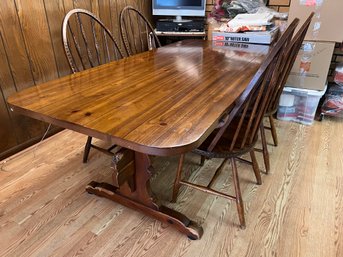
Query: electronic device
x=179 y=8
x=172 y=26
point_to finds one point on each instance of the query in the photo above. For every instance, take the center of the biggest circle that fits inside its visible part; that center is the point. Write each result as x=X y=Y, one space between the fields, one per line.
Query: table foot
x=131 y=188
x=162 y=213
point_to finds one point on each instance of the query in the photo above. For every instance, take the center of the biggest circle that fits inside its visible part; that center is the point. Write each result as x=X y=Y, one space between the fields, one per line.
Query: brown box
x=279 y=2
x=327 y=22
x=284 y=9
x=311 y=67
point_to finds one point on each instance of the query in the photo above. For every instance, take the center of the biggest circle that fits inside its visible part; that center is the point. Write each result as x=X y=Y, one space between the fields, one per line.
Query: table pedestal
x=131 y=188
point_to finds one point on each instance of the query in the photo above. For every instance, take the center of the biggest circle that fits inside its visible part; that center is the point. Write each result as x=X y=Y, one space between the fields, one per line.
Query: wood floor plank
x=299 y=201
x=338 y=240
x=267 y=210
x=297 y=211
x=323 y=199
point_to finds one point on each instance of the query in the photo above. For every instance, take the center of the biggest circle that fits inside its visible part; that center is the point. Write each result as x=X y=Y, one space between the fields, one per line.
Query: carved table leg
x=131 y=179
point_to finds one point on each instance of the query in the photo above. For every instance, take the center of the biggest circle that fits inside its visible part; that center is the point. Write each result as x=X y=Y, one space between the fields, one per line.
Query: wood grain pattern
x=55 y=12
x=116 y=7
x=172 y=99
x=32 y=52
x=6 y=130
x=42 y=62
x=7 y=137
x=14 y=44
x=15 y=72
x=296 y=212
x=83 y=4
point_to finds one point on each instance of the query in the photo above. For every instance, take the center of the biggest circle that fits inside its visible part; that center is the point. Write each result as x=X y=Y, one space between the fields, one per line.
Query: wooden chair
x=88 y=43
x=289 y=56
x=137 y=32
x=238 y=134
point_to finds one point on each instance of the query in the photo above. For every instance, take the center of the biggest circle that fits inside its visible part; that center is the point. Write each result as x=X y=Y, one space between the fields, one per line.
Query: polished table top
x=160 y=102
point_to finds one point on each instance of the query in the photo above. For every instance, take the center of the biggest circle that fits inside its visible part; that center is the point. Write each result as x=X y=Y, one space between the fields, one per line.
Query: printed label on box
x=231 y=44
x=263 y=38
x=236 y=39
x=244 y=47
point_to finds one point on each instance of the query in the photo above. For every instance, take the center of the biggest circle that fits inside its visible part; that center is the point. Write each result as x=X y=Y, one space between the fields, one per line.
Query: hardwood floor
x=297 y=211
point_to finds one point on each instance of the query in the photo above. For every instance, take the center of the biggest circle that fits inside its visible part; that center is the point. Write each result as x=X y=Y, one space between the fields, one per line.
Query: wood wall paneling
x=114 y=23
x=84 y=4
x=16 y=51
x=55 y=13
x=120 y=5
x=109 y=14
x=68 y=5
x=15 y=74
x=37 y=39
x=31 y=52
x=7 y=136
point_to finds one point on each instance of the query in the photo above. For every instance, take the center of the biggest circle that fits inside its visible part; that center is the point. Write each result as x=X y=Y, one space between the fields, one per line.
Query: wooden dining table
x=161 y=102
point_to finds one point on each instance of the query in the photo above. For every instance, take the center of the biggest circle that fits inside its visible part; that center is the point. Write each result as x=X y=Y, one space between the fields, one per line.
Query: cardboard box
x=327 y=22
x=311 y=67
x=265 y=37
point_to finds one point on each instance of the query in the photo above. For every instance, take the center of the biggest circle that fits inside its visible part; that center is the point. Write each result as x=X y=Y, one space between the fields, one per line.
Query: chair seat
x=222 y=148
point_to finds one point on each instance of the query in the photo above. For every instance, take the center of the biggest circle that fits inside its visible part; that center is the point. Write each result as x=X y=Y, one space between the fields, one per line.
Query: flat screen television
x=179 y=8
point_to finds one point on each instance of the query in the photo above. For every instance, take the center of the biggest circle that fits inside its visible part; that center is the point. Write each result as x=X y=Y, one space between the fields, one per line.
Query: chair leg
x=256 y=168
x=87 y=149
x=177 y=184
x=265 y=149
x=202 y=160
x=273 y=129
x=239 y=201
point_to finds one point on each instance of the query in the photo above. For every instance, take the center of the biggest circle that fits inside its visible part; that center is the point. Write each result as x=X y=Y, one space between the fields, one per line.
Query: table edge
x=151 y=150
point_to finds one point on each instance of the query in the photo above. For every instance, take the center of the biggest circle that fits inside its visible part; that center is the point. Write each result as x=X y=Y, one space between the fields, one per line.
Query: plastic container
x=299 y=105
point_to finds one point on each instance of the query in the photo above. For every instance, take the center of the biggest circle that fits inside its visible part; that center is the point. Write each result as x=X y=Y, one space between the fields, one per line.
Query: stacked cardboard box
x=306 y=83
